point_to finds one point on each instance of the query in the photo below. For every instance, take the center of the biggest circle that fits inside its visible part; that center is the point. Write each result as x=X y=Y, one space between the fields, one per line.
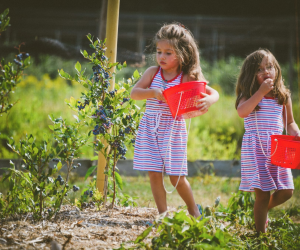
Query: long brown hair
x=247 y=83
x=186 y=49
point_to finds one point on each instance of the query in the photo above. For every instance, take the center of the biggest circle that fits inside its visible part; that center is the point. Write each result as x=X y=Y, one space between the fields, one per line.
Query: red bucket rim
x=288 y=138
x=175 y=88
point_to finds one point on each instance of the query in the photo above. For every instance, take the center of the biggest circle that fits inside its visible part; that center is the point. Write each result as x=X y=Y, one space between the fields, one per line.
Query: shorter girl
x=265 y=104
x=177 y=57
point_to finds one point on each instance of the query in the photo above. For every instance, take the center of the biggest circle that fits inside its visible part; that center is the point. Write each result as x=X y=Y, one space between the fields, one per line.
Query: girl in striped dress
x=265 y=104
x=178 y=61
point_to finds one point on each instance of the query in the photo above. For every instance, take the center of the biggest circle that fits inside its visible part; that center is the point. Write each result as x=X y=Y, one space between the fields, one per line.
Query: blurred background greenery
x=215 y=135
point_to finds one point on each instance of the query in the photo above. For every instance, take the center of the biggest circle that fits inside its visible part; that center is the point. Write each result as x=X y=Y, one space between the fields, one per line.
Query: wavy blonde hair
x=186 y=49
x=247 y=83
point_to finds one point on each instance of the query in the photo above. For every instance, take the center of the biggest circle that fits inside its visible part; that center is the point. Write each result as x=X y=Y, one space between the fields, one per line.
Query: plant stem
x=63 y=194
x=113 y=174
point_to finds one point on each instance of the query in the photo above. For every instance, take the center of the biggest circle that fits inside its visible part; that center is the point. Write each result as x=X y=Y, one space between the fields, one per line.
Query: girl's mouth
x=162 y=63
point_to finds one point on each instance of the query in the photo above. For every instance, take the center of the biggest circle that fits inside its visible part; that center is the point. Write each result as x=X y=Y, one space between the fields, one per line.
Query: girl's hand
x=205 y=102
x=158 y=94
x=266 y=86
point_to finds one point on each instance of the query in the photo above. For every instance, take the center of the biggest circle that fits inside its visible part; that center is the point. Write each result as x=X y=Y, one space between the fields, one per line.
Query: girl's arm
x=141 y=90
x=292 y=128
x=246 y=106
x=209 y=98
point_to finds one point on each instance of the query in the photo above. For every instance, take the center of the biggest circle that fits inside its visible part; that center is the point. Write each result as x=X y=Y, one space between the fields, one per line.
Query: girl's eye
x=270 y=67
x=259 y=70
x=169 y=54
x=158 y=52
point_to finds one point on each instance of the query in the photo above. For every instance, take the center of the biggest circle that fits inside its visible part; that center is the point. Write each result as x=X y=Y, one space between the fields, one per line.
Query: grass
x=205 y=189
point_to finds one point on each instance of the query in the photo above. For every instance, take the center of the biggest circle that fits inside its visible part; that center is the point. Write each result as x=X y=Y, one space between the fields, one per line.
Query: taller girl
x=265 y=104
x=178 y=61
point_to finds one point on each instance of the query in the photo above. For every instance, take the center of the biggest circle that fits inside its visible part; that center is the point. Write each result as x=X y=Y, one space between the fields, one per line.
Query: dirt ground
x=75 y=229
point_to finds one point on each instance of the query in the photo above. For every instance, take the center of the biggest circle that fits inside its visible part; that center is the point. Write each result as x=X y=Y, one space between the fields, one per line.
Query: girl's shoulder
x=150 y=72
x=187 y=78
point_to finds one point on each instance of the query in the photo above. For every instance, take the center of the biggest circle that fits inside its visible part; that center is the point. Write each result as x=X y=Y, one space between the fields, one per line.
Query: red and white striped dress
x=257 y=171
x=154 y=134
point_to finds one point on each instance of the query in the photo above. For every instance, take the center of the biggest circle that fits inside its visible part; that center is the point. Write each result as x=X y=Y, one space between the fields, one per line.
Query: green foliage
x=223 y=74
x=37 y=99
x=230 y=227
x=90 y=195
x=34 y=189
x=4 y=20
x=10 y=75
x=113 y=114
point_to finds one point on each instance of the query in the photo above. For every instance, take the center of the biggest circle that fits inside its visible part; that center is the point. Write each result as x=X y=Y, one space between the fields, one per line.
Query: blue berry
x=106 y=75
x=20 y=57
x=121 y=133
x=17 y=62
x=75 y=188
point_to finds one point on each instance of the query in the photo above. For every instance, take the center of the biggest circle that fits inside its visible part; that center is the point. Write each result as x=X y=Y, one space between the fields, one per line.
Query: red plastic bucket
x=285 y=151
x=189 y=93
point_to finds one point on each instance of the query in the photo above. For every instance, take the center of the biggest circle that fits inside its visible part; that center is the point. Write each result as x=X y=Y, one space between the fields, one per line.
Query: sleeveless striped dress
x=150 y=152
x=257 y=171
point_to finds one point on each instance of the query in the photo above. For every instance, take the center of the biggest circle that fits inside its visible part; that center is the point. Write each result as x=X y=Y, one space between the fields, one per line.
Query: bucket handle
x=268 y=157
x=185 y=151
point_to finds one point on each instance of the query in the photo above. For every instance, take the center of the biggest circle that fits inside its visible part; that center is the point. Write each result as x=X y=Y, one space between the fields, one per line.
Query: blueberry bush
x=34 y=189
x=109 y=111
x=10 y=73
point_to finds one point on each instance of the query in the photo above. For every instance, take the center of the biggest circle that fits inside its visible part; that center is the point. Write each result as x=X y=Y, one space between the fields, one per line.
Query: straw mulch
x=75 y=229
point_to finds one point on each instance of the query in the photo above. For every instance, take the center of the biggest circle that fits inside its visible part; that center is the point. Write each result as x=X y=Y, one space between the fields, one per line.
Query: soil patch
x=75 y=229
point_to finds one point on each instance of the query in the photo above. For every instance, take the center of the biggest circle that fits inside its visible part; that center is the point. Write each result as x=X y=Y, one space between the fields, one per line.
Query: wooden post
x=102 y=20
x=111 y=52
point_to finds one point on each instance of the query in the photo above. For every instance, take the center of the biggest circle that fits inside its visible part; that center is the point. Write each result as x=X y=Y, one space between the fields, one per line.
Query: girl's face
x=266 y=70
x=166 y=56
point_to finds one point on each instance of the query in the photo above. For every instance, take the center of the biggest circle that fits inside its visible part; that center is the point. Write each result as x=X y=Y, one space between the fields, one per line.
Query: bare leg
x=279 y=197
x=158 y=191
x=185 y=191
x=261 y=209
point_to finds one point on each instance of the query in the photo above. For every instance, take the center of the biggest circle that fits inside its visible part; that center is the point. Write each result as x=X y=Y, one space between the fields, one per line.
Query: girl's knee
x=153 y=174
x=155 y=177
x=288 y=193
x=262 y=195
x=174 y=180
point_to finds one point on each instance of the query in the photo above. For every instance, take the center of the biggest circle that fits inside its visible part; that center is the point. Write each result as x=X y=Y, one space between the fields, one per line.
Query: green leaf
x=11 y=164
x=94 y=158
x=35 y=150
x=136 y=74
x=90 y=171
x=143 y=235
x=59 y=166
x=119 y=180
x=64 y=75
x=76 y=117
x=78 y=67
